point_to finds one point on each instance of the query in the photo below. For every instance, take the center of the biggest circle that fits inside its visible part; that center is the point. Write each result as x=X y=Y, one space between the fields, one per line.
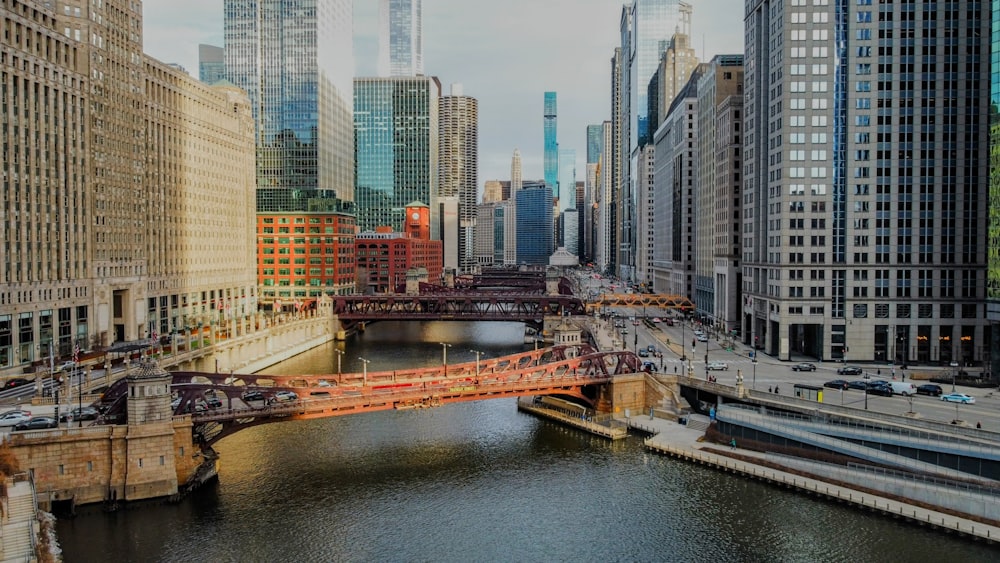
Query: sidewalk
x=679 y=441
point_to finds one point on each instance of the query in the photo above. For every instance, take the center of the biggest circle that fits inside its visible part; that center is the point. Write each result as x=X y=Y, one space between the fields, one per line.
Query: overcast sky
x=505 y=54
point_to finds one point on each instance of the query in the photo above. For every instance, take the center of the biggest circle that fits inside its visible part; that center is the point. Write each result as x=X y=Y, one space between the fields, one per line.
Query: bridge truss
x=634 y=300
x=572 y=371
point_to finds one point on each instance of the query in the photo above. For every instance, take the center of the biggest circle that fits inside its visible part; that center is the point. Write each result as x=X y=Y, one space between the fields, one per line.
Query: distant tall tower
x=401 y=38
x=551 y=144
x=211 y=63
x=567 y=179
x=458 y=165
x=515 y=173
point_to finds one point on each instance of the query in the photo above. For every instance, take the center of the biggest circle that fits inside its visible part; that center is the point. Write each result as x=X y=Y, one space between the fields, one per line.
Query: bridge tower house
x=567 y=334
x=150 y=470
x=552 y=277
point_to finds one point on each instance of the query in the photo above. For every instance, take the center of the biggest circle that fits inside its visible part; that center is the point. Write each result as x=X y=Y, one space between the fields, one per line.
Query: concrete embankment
x=608 y=428
x=679 y=441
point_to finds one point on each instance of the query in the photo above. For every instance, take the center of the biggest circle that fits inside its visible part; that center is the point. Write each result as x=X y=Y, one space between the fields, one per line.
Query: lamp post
x=683 y=340
x=364 y=371
x=444 y=356
x=754 y=363
x=478 y=354
x=954 y=373
x=340 y=354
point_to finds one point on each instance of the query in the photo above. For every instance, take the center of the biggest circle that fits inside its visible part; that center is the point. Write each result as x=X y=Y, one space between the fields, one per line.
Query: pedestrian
x=732 y=444
x=979 y=425
x=776 y=390
x=769 y=389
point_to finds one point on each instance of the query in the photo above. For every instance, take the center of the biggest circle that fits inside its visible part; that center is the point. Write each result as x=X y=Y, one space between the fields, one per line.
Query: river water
x=477 y=481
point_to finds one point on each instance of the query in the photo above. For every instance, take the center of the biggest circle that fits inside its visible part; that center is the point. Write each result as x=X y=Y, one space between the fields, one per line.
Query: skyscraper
x=551 y=157
x=515 y=172
x=865 y=196
x=646 y=27
x=211 y=63
x=567 y=179
x=397 y=135
x=458 y=166
x=535 y=240
x=993 y=241
x=302 y=108
x=401 y=38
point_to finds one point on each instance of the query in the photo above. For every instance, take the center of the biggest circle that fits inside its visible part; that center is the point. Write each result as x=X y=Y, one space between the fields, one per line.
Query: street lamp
x=444 y=356
x=364 y=371
x=754 y=362
x=478 y=354
x=954 y=373
x=340 y=354
x=683 y=340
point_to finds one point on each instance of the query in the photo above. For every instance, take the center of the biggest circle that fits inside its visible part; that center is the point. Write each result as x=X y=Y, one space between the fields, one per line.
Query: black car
x=84 y=413
x=849 y=370
x=804 y=367
x=880 y=388
x=837 y=384
x=213 y=402
x=37 y=423
x=930 y=389
x=860 y=385
x=253 y=396
x=16 y=382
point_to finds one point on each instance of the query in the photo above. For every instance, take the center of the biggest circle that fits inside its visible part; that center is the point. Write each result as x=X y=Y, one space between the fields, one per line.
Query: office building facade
x=535 y=234
x=396 y=139
x=211 y=63
x=551 y=143
x=875 y=251
x=993 y=241
x=401 y=38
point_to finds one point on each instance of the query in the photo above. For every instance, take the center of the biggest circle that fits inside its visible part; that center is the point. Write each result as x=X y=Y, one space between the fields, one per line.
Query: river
x=477 y=481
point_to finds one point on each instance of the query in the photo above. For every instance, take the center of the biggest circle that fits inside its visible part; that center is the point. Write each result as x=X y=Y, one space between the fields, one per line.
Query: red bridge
x=221 y=404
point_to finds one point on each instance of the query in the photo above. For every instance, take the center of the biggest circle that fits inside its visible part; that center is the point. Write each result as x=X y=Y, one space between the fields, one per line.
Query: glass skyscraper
x=396 y=139
x=595 y=143
x=551 y=162
x=301 y=101
x=211 y=63
x=567 y=179
x=401 y=38
x=535 y=236
x=993 y=235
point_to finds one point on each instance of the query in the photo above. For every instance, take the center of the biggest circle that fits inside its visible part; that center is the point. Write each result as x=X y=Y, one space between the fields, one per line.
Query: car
x=879 y=388
x=702 y=338
x=651 y=349
x=66 y=366
x=668 y=321
x=213 y=402
x=657 y=319
x=850 y=370
x=323 y=383
x=12 y=418
x=16 y=382
x=860 y=384
x=959 y=398
x=643 y=353
x=80 y=413
x=837 y=384
x=37 y=423
x=804 y=367
x=253 y=396
x=717 y=366
x=285 y=396
x=930 y=389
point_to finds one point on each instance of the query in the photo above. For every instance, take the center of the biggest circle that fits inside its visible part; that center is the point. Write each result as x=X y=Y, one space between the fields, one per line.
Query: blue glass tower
x=595 y=143
x=551 y=163
x=535 y=235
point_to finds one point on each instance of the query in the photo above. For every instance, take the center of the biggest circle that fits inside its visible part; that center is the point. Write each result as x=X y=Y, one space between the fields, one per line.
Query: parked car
x=959 y=398
x=253 y=396
x=850 y=370
x=804 y=367
x=717 y=366
x=80 y=413
x=285 y=396
x=930 y=389
x=37 y=423
x=859 y=384
x=837 y=384
x=12 y=418
x=16 y=382
x=880 y=388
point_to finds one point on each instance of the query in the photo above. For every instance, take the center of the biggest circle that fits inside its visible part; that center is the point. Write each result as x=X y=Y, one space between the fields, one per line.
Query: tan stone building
x=128 y=191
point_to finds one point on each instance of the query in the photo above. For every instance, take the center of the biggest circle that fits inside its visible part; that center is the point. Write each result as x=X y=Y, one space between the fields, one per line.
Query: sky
x=505 y=54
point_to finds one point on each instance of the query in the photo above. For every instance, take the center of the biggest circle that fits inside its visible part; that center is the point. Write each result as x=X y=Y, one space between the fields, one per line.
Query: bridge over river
x=221 y=404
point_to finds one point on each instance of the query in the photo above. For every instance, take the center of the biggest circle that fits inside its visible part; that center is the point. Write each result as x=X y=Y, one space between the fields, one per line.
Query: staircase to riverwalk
x=19 y=524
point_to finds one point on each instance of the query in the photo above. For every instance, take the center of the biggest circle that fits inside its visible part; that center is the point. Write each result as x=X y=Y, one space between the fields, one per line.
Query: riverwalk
x=682 y=442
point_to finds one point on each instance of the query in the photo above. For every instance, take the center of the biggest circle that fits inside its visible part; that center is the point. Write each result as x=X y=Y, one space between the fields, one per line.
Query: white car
x=10 y=418
x=702 y=338
x=959 y=398
x=285 y=396
x=717 y=366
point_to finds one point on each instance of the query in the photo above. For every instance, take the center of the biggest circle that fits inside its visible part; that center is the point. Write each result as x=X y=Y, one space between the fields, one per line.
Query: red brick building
x=384 y=257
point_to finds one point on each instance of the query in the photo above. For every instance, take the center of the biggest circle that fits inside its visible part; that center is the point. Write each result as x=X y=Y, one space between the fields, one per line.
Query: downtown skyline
x=502 y=58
